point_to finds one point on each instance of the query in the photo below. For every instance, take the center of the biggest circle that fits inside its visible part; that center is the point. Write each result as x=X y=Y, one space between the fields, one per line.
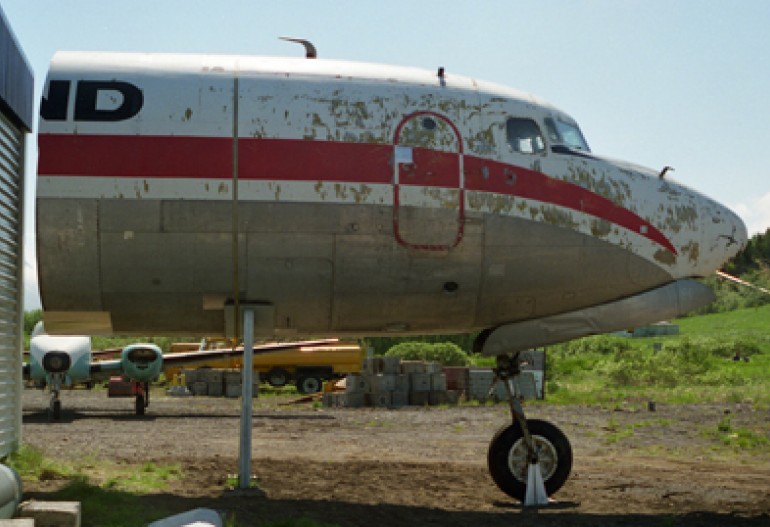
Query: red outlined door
x=428 y=184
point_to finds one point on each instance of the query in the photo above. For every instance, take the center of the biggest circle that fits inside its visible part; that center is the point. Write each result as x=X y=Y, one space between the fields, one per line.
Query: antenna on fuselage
x=665 y=170
x=310 y=51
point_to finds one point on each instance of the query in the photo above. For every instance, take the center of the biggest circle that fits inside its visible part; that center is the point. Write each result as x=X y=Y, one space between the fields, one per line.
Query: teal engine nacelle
x=141 y=362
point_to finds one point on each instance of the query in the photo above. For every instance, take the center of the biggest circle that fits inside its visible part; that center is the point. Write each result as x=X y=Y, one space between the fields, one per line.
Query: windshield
x=566 y=132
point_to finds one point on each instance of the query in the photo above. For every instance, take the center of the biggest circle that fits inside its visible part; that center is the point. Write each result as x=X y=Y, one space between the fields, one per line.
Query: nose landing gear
x=527 y=446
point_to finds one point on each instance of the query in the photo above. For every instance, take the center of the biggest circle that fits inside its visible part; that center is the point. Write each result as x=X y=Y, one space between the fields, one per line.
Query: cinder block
x=399 y=399
x=190 y=376
x=379 y=400
x=383 y=383
x=51 y=513
x=402 y=383
x=199 y=388
x=438 y=382
x=419 y=382
x=232 y=377
x=391 y=365
x=211 y=375
x=412 y=366
x=233 y=390
x=355 y=400
x=373 y=365
x=419 y=398
x=357 y=383
x=216 y=389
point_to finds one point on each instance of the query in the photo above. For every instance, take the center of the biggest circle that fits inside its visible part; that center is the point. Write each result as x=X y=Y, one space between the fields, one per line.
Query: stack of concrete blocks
x=216 y=382
x=479 y=383
x=388 y=382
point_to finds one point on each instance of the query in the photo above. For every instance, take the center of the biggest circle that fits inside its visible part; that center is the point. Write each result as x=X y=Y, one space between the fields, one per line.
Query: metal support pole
x=247 y=379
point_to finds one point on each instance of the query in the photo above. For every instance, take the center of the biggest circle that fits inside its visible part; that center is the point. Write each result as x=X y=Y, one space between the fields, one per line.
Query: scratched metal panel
x=382 y=286
x=68 y=255
x=166 y=263
x=11 y=264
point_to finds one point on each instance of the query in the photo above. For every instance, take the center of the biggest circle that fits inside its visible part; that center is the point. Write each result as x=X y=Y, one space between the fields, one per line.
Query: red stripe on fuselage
x=138 y=156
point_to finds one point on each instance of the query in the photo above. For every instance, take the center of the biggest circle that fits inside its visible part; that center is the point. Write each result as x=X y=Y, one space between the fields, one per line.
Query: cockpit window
x=524 y=136
x=565 y=132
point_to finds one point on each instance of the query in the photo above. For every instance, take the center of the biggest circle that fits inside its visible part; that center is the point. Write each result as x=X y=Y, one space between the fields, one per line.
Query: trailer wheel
x=277 y=377
x=309 y=384
x=507 y=457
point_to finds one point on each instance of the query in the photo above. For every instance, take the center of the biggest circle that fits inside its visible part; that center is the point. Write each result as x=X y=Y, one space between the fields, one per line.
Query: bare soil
x=419 y=466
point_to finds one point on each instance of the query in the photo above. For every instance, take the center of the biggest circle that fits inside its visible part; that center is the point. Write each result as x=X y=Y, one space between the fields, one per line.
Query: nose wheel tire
x=508 y=459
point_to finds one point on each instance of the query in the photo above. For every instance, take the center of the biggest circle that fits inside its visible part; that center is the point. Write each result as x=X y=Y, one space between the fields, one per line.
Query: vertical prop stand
x=247 y=379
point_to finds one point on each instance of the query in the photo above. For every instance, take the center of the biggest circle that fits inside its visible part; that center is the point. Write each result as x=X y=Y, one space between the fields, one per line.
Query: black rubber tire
x=139 y=403
x=309 y=384
x=505 y=439
x=277 y=377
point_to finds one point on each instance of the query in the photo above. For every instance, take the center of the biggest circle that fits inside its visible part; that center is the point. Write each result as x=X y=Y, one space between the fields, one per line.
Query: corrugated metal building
x=16 y=109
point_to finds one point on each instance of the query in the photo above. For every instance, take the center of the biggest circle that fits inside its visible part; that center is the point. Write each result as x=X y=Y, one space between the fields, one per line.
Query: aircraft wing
x=190 y=358
x=132 y=358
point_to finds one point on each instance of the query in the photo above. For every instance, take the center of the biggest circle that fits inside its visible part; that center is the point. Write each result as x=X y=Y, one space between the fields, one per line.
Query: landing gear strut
x=526 y=444
x=142 y=400
x=54 y=406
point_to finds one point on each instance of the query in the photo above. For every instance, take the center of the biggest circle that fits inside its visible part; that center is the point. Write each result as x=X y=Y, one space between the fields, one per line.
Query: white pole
x=247 y=376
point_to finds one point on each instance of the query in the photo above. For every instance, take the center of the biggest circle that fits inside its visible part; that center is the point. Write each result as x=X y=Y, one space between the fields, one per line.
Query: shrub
x=446 y=353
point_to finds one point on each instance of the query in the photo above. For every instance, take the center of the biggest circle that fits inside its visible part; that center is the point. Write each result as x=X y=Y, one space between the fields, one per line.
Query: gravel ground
x=419 y=466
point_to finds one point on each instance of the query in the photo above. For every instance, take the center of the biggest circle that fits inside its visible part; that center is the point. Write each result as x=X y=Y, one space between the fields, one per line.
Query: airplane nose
x=725 y=234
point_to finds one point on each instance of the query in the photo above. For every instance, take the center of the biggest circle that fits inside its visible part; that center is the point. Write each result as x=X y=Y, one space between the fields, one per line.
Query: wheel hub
x=518 y=458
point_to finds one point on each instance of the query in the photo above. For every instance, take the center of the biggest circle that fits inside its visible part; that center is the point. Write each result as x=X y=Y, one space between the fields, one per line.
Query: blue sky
x=684 y=83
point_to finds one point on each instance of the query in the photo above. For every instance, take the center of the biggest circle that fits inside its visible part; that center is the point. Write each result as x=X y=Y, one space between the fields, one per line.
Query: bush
x=445 y=353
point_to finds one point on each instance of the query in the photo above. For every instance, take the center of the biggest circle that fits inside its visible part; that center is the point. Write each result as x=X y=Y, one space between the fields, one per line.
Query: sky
x=684 y=83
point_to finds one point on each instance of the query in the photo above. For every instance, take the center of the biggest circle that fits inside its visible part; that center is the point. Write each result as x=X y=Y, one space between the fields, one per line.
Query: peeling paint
x=665 y=257
x=692 y=249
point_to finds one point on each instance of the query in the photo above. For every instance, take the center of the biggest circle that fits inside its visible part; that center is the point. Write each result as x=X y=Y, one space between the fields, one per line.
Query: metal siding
x=11 y=196
x=16 y=79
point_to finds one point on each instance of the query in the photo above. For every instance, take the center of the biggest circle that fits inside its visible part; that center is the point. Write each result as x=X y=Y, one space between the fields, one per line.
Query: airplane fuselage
x=353 y=198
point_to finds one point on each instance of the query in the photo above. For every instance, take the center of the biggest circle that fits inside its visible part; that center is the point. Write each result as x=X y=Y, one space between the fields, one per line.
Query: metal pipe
x=247 y=379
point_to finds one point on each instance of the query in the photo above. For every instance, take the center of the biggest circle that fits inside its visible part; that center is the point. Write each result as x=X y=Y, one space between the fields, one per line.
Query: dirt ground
x=420 y=466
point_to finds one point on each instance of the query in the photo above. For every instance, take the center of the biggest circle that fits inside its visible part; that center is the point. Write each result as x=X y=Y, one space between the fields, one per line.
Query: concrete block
x=412 y=366
x=399 y=399
x=453 y=396
x=211 y=375
x=402 y=383
x=383 y=383
x=232 y=377
x=438 y=382
x=199 y=388
x=432 y=367
x=51 y=513
x=419 y=398
x=379 y=400
x=419 y=382
x=391 y=365
x=255 y=389
x=355 y=400
x=216 y=389
x=436 y=398
x=373 y=365
x=190 y=376
x=357 y=383
x=18 y=522
x=233 y=390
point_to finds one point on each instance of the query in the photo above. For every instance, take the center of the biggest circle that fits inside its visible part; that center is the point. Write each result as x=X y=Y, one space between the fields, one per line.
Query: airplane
x=65 y=360
x=354 y=199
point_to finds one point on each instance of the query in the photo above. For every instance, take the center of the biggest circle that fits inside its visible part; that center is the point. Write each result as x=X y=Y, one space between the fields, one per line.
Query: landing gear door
x=428 y=194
